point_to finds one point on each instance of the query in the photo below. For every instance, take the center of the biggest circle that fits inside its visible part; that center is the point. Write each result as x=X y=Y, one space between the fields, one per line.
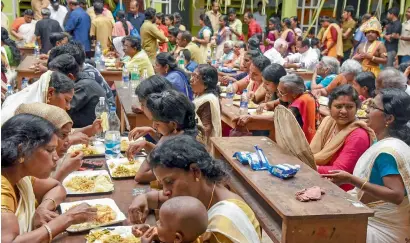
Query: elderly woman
x=193 y=172
x=139 y=58
x=348 y=72
x=166 y=66
x=23 y=28
x=341 y=139
x=172 y=114
x=28 y=155
x=228 y=54
x=291 y=91
x=238 y=53
x=326 y=70
x=392 y=78
x=204 y=85
x=382 y=175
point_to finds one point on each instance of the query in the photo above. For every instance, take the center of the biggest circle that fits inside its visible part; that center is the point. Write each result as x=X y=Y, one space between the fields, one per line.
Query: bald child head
x=182 y=219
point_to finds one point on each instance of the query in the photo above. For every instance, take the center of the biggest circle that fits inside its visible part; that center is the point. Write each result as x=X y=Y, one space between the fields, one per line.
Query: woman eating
x=274 y=28
x=28 y=155
x=204 y=35
x=288 y=35
x=62 y=121
x=204 y=85
x=166 y=66
x=172 y=113
x=193 y=172
x=341 y=139
x=381 y=178
x=139 y=58
x=222 y=36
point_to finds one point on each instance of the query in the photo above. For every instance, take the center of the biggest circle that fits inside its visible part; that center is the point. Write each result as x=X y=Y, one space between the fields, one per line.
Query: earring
x=197 y=179
x=387 y=125
x=21 y=160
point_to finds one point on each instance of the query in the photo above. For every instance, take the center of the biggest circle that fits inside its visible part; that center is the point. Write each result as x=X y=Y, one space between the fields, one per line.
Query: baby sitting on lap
x=181 y=219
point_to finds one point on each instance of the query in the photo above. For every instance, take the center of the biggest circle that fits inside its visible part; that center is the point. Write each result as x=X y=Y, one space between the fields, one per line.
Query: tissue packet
x=243 y=157
x=284 y=171
x=260 y=162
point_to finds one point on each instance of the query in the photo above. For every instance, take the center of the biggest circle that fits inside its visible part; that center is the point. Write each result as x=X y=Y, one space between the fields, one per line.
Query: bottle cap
x=102 y=98
x=112 y=108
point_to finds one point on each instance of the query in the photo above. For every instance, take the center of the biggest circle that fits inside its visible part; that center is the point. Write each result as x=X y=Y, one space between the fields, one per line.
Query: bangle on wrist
x=50 y=234
x=361 y=188
x=55 y=204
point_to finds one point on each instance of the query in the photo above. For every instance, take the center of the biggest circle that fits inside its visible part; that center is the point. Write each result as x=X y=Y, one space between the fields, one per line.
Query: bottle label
x=229 y=95
x=244 y=104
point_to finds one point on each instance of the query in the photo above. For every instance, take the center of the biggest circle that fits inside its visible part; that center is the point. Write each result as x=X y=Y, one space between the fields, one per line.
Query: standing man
x=58 y=12
x=44 y=28
x=260 y=18
x=134 y=16
x=404 y=42
x=78 y=25
x=101 y=27
x=4 y=18
x=348 y=27
x=253 y=26
x=235 y=24
x=332 y=39
x=214 y=15
x=392 y=36
x=150 y=34
x=107 y=13
x=37 y=6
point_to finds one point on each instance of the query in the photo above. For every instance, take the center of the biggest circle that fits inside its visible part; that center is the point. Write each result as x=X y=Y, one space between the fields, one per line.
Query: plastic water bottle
x=102 y=63
x=125 y=77
x=36 y=51
x=181 y=61
x=100 y=109
x=229 y=94
x=97 y=55
x=24 y=83
x=214 y=62
x=135 y=78
x=144 y=75
x=9 y=90
x=112 y=139
x=209 y=56
x=243 y=108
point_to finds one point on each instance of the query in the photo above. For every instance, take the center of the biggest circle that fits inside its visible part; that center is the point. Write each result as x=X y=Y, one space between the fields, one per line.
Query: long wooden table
x=334 y=218
x=122 y=195
x=25 y=51
x=126 y=115
x=229 y=113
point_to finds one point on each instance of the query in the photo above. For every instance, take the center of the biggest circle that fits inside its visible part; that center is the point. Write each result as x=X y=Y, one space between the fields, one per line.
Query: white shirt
x=261 y=19
x=274 y=56
x=58 y=15
x=309 y=59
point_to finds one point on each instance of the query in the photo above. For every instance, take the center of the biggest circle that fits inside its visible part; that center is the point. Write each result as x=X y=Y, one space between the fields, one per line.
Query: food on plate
x=124 y=171
x=87 y=150
x=105 y=215
x=124 y=168
x=109 y=236
x=97 y=183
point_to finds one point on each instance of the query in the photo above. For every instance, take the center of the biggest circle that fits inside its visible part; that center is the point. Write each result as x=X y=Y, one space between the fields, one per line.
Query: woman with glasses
x=381 y=178
x=237 y=55
x=341 y=138
x=326 y=70
x=204 y=85
x=139 y=58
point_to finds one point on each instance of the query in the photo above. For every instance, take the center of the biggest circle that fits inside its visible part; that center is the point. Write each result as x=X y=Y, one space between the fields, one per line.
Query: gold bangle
x=361 y=188
x=50 y=234
x=54 y=201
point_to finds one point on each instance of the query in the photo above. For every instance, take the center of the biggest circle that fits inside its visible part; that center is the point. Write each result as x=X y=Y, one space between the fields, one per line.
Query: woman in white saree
x=185 y=168
x=382 y=174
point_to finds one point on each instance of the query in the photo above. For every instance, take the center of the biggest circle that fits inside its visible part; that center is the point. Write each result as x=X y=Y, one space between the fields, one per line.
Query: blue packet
x=284 y=171
x=261 y=163
x=242 y=157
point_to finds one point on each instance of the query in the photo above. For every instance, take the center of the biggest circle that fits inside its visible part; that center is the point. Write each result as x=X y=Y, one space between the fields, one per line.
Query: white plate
x=99 y=147
x=87 y=226
x=252 y=112
x=87 y=173
x=112 y=165
x=123 y=231
x=236 y=96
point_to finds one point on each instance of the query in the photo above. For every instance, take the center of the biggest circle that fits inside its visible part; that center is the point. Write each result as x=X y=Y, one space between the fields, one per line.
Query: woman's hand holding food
x=138 y=210
x=79 y=138
x=139 y=230
x=150 y=235
x=140 y=132
x=135 y=147
x=81 y=213
x=42 y=215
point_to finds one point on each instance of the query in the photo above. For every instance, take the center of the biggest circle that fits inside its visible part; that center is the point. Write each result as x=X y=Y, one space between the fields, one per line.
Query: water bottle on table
x=9 y=90
x=243 y=108
x=181 y=60
x=112 y=136
x=229 y=94
x=135 y=78
x=101 y=112
x=125 y=77
x=24 y=83
x=36 y=51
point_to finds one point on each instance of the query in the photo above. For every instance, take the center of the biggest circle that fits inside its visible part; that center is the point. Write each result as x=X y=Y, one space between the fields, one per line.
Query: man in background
x=404 y=42
x=44 y=28
x=151 y=35
x=134 y=16
x=58 y=12
x=392 y=36
x=253 y=26
x=214 y=16
x=348 y=27
x=78 y=25
x=260 y=18
x=101 y=27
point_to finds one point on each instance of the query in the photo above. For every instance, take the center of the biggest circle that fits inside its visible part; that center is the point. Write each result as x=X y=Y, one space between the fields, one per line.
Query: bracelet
x=50 y=234
x=361 y=188
x=55 y=204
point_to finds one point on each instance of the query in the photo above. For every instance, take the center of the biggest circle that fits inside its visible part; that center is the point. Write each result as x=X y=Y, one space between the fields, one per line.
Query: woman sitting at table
x=204 y=85
x=204 y=35
x=28 y=155
x=139 y=58
x=185 y=168
x=172 y=113
x=243 y=74
x=291 y=90
x=62 y=121
x=238 y=54
x=341 y=139
x=326 y=70
x=166 y=66
x=382 y=175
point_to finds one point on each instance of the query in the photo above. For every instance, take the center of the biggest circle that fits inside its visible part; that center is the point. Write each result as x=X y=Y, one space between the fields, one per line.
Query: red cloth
x=308 y=109
x=333 y=32
x=253 y=28
x=164 y=46
x=346 y=158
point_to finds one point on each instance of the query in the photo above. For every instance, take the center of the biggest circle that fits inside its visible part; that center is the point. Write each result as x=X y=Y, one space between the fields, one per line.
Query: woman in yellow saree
x=382 y=174
x=193 y=172
x=28 y=154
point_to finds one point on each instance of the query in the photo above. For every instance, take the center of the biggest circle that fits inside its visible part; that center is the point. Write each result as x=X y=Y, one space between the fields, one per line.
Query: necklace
x=212 y=196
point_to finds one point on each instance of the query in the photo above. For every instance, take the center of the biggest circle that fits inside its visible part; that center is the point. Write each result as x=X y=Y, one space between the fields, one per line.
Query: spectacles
x=281 y=94
x=373 y=106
